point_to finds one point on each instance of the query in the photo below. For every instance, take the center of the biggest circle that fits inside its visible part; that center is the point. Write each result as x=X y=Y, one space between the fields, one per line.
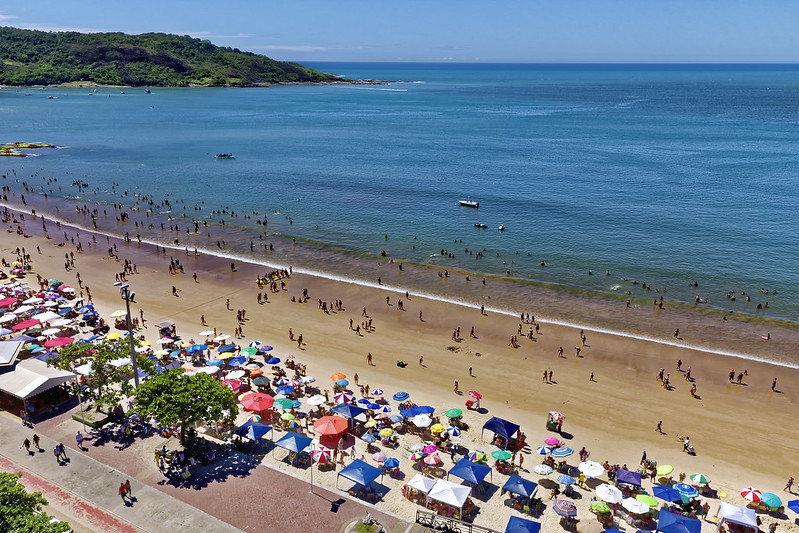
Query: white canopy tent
x=737 y=515
x=31 y=377
x=450 y=493
x=421 y=483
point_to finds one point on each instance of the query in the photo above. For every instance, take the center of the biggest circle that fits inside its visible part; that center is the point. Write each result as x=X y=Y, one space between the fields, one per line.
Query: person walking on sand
x=549 y=378
x=544 y=380
x=470 y=372
x=421 y=360
x=677 y=333
x=774 y=384
x=456 y=386
x=420 y=316
x=789 y=485
x=560 y=351
x=369 y=359
x=355 y=379
x=659 y=427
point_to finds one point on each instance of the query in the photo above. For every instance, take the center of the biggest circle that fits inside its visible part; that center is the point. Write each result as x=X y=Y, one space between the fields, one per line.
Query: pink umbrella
x=343 y=397
x=232 y=383
x=430 y=449
x=551 y=441
x=5 y=302
x=751 y=494
x=432 y=460
x=25 y=324
x=322 y=455
x=58 y=341
x=379 y=457
x=476 y=395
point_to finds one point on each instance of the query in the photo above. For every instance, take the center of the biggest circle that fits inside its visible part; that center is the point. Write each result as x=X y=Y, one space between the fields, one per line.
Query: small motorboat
x=481 y=226
x=501 y=227
x=469 y=203
x=224 y=156
x=147 y=91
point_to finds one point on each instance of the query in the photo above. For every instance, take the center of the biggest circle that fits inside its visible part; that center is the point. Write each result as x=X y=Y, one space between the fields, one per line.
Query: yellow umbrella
x=370 y=424
x=161 y=352
x=436 y=428
x=146 y=343
x=387 y=432
x=113 y=336
x=226 y=355
x=119 y=313
x=665 y=470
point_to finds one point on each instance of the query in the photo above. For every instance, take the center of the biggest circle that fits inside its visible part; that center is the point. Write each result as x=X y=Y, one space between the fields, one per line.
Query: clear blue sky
x=449 y=30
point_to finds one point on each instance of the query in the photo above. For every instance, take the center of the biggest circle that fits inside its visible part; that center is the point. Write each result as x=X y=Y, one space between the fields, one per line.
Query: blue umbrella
x=373 y=406
x=215 y=362
x=196 y=348
x=273 y=361
x=409 y=413
x=174 y=353
x=295 y=404
x=667 y=493
x=226 y=348
x=285 y=389
x=236 y=361
x=391 y=462
x=342 y=383
x=793 y=505
x=255 y=344
x=265 y=348
x=563 y=451
x=368 y=437
x=686 y=490
x=566 y=480
x=385 y=409
x=453 y=431
x=425 y=410
x=543 y=450
x=364 y=401
x=401 y=396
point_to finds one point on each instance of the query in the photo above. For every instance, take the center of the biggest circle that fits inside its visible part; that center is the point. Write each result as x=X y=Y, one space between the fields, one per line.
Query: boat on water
x=469 y=203
x=501 y=227
x=481 y=226
x=146 y=91
x=224 y=156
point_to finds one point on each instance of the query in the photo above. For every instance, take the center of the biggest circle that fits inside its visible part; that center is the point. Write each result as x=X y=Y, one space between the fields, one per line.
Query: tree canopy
x=108 y=383
x=30 y=57
x=176 y=398
x=21 y=511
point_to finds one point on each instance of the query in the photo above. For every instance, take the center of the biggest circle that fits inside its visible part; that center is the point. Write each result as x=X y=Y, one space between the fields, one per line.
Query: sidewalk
x=88 y=489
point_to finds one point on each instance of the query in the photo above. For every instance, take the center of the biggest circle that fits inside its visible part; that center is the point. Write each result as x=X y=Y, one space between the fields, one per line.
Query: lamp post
x=80 y=398
x=126 y=294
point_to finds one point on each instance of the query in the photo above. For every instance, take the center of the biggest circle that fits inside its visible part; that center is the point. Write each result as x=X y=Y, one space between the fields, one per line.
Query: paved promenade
x=234 y=493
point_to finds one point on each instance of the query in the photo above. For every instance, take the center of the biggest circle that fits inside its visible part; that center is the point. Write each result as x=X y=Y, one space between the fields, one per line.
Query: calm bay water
x=665 y=175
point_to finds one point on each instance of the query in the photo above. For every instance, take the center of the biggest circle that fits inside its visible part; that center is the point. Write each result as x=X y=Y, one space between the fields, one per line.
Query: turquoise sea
x=667 y=175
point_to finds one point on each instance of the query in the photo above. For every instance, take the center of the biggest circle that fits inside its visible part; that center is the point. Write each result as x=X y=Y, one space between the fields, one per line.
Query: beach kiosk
x=737 y=519
x=555 y=421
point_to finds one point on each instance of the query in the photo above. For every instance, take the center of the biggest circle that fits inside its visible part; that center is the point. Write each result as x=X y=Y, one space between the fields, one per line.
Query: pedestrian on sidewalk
x=36 y=441
x=128 y=490
x=123 y=493
x=27 y=445
x=62 y=452
x=57 y=453
x=79 y=440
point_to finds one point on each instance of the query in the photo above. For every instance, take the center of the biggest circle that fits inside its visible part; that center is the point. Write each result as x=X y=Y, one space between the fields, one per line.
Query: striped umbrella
x=476 y=455
x=453 y=431
x=432 y=460
x=700 y=478
x=415 y=456
x=752 y=494
x=322 y=455
x=563 y=451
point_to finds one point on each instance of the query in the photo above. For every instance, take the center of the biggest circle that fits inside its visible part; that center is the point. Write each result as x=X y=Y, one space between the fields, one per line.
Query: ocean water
x=664 y=175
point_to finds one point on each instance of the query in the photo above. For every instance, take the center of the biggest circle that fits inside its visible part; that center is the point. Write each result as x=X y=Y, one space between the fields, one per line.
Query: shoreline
x=93 y=85
x=573 y=307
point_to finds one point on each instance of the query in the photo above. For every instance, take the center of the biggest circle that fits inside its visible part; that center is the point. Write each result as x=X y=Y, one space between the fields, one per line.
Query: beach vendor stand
x=555 y=421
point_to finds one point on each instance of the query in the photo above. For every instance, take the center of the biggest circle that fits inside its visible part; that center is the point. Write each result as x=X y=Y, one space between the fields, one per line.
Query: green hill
x=29 y=57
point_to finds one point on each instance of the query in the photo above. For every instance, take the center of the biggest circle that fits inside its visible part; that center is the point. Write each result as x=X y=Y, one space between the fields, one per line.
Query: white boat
x=478 y=225
x=469 y=203
x=501 y=227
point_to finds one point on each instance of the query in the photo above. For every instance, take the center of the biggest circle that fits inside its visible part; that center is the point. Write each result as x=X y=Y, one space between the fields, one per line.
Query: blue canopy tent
x=674 y=523
x=348 y=410
x=501 y=427
x=520 y=486
x=252 y=430
x=472 y=472
x=631 y=478
x=360 y=472
x=294 y=442
x=517 y=524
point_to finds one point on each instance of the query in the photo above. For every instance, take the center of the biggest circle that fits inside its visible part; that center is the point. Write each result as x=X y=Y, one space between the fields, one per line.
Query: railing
x=433 y=520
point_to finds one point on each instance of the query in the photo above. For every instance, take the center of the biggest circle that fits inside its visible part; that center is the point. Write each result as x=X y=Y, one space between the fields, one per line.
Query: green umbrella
x=770 y=500
x=261 y=381
x=453 y=413
x=665 y=470
x=249 y=351
x=287 y=416
x=284 y=403
x=700 y=478
x=647 y=499
x=600 y=507
x=502 y=455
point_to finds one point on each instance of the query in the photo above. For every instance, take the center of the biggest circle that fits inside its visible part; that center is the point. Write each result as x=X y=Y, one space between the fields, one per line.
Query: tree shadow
x=232 y=465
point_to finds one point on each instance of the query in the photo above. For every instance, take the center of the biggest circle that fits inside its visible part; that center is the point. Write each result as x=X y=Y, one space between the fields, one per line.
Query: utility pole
x=126 y=294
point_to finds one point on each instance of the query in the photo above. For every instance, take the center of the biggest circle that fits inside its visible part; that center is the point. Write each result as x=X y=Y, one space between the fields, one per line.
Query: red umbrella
x=58 y=341
x=476 y=395
x=322 y=455
x=432 y=460
x=25 y=324
x=330 y=425
x=5 y=302
x=751 y=494
x=257 y=402
x=234 y=384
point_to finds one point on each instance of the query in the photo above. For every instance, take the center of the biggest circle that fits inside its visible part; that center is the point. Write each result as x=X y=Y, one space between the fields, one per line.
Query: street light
x=126 y=294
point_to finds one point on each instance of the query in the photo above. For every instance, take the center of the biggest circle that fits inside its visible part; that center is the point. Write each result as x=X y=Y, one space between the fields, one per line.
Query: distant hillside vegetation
x=29 y=57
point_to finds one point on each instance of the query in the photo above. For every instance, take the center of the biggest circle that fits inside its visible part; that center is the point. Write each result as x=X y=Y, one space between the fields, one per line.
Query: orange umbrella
x=256 y=373
x=330 y=425
x=337 y=376
x=257 y=402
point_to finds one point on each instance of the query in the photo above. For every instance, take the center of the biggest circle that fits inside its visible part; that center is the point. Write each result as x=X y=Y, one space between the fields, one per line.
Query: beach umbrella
x=699 y=478
x=248 y=351
x=51 y=331
x=8 y=317
x=174 y=353
x=379 y=457
x=564 y=508
x=307 y=379
x=391 y=462
x=196 y=348
x=769 y=499
x=220 y=338
x=236 y=374
x=551 y=441
x=425 y=409
x=635 y=506
x=343 y=397
x=214 y=362
x=209 y=370
x=316 y=399
x=165 y=340
x=422 y=421
x=431 y=448
x=563 y=451
x=287 y=416
x=664 y=470
x=793 y=505
x=409 y=412
x=384 y=409
x=372 y=406
x=262 y=381
x=226 y=348
x=647 y=499
x=543 y=450
x=161 y=353
x=415 y=456
x=437 y=428
x=501 y=455
x=667 y=493
x=475 y=455
x=232 y=384
x=342 y=383
x=285 y=389
x=58 y=341
x=476 y=395
x=25 y=324
x=236 y=361
x=686 y=490
x=257 y=402
x=609 y=493
x=401 y=396
x=364 y=401
x=330 y=425
x=284 y=403
x=267 y=348
x=370 y=424
x=453 y=431
x=542 y=469
x=207 y=332
x=453 y=413
x=386 y=432
x=254 y=418
x=395 y=419
x=118 y=313
x=337 y=376
x=418 y=447
x=566 y=479
x=600 y=507
x=322 y=455
x=368 y=437
x=273 y=361
x=254 y=344
x=377 y=392
x=591 y=468
x=432 y=460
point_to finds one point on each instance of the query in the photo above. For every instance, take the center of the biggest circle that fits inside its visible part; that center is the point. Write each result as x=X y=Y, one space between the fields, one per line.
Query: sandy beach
x=743 y=433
